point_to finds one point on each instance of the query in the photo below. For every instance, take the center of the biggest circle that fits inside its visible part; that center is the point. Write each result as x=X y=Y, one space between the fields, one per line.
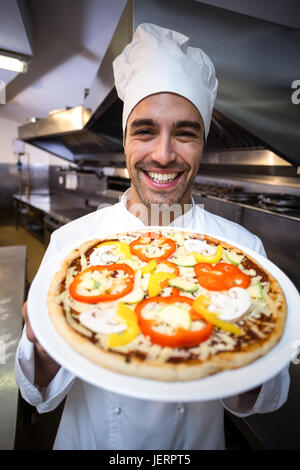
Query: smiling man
x=169 y=90
x=163 y=148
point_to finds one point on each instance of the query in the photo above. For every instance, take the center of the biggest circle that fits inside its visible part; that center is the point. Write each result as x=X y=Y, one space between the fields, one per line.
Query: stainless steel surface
x=62 y=121
x=50 y=225
x=61 y=207
x=280 y=233
x=251 y=183
x=257 y=157
x=104 y=81
x=39 y=182
x=256 y=62
x=12 y=286
x=220 y=202
x=112 y=171
x=67 y=215
x=73 y=134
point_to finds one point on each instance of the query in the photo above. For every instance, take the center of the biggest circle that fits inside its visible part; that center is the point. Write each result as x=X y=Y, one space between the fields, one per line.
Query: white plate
x=213 y=387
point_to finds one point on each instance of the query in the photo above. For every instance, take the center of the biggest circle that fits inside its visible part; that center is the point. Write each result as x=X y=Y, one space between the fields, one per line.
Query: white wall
x=8 y=132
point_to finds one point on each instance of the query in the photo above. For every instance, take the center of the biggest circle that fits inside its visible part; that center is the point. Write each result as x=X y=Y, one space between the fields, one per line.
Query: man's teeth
x=162 y=177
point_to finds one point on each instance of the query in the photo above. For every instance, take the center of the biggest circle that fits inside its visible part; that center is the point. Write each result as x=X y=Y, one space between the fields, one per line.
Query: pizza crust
x=167 y=371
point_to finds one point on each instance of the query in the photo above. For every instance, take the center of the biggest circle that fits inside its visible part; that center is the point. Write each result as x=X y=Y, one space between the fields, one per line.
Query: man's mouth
x=163 y=178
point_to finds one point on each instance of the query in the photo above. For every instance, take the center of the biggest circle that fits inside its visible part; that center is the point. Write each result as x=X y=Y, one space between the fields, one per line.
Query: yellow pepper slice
x=128 y=316
x=149 y=267
x=154 y=284
x=200 y=304
x=122 y=248
x=215 y=258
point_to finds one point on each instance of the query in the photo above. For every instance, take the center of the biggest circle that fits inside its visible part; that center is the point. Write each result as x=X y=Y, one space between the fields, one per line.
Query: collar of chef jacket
x=185 y=221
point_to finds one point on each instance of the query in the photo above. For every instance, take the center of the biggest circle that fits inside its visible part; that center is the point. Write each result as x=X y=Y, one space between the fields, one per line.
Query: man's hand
x=45 y=367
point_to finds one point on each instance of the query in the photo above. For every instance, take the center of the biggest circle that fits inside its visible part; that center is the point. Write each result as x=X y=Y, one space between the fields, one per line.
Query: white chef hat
x=161 y=60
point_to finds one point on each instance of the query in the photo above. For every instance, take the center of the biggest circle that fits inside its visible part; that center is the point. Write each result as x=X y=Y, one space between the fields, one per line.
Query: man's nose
x=164 y=152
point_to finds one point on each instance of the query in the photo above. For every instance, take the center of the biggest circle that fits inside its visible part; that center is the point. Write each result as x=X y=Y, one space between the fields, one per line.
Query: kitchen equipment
x=50 y=225
x=282 y=203
x=242 y=197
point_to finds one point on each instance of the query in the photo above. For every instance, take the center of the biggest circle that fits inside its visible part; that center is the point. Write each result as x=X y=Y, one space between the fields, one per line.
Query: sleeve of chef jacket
x=43 y=398
x=273 y=393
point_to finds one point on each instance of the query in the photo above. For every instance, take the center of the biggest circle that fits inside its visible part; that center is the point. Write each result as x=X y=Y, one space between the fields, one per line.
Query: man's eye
x=185 y=134
x=143 y=132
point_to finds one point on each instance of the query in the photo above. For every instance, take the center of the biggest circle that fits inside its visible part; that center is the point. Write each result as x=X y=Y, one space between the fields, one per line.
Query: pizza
x=167 y=304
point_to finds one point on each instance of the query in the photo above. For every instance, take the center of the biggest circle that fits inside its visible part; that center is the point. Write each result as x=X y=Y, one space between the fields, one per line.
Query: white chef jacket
x=94 y=418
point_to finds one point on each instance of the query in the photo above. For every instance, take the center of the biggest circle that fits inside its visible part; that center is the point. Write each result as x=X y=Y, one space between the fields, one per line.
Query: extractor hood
x=256 y=61
x=85 y=133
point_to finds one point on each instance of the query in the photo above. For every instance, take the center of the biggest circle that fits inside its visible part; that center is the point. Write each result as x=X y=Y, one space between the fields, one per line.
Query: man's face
x=163 y=148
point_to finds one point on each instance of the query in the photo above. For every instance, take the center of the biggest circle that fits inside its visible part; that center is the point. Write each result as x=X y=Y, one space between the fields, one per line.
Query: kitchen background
x=61 y=151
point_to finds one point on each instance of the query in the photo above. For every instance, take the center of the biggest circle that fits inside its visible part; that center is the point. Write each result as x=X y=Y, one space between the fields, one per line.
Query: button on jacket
x=94 y=418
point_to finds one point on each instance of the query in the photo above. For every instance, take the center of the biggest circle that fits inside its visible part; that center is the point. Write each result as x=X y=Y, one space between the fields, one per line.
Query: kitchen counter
x=41 y=214
x=12 y=291
x=67 y=207
x=198 y=194
x=63 y=207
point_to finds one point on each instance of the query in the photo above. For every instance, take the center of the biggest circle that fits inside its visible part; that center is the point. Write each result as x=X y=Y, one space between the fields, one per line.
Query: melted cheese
x=200 y=247
x=104 y=255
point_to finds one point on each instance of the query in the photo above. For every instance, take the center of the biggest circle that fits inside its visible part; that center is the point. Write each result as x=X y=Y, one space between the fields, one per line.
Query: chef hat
x=161 y=60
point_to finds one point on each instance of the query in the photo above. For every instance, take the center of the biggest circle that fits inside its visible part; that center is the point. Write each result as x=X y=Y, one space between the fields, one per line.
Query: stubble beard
x=155 y=198
x=155 y=208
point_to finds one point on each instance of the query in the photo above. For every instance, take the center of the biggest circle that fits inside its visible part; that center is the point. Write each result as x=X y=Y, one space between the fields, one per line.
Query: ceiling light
x=14 y=64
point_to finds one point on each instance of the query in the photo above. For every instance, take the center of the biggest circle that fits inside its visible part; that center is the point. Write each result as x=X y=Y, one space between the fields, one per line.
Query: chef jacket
x=95 y=418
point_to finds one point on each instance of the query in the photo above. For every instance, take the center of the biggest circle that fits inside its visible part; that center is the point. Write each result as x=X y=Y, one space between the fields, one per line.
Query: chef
x=169 y=90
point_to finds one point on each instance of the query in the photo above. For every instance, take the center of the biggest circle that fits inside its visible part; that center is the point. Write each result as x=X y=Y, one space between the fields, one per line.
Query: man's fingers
x=41 y=355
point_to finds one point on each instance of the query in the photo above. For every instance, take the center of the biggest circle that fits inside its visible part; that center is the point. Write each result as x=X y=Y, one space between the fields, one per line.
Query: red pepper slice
x=182 y=338
x=93 y=299
x=137 y=250
x=222 y=276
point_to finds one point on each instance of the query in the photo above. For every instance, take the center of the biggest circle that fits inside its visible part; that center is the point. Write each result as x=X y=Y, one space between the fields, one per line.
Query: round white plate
x=213 y=387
